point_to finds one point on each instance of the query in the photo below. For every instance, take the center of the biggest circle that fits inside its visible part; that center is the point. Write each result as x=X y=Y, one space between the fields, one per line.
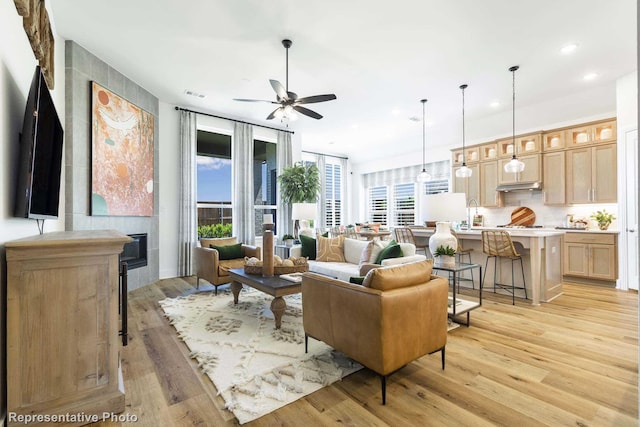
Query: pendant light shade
x=514 y=165
x=424 y=175
x=464 y=171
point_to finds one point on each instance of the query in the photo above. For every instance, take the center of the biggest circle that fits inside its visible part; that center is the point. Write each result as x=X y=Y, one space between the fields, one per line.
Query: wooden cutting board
x=523 y=216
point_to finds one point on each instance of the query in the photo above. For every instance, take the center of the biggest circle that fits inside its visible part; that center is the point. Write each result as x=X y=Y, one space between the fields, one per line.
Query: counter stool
x=460 y=252
x=405 y=235
x=498 y=244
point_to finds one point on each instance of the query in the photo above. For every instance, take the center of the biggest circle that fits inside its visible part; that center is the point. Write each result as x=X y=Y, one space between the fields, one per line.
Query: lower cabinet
x=62 y=324
x=591 y=256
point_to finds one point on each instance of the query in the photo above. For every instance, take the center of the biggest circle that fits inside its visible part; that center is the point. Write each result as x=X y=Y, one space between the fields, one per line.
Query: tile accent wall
x=82 y=67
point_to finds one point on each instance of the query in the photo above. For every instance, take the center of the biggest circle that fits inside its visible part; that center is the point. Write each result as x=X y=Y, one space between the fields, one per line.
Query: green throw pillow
x=392 y=250
x=356 y=280
x=308 y=247
x=228 y=251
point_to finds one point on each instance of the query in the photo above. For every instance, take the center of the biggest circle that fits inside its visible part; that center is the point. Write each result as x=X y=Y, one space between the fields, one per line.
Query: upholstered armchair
x=213 y=269
x=398 y=315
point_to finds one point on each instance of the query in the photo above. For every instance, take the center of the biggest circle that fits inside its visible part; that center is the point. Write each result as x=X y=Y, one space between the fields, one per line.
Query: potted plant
x=445 y=255
x=300 y=183
x=288 y=239
x=603 y=218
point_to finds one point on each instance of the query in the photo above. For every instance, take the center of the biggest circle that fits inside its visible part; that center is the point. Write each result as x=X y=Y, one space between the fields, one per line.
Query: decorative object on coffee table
x=267 y=249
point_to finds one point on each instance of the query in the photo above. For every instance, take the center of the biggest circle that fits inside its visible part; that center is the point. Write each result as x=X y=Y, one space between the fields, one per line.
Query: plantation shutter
x=404 y=204
x=378 y=198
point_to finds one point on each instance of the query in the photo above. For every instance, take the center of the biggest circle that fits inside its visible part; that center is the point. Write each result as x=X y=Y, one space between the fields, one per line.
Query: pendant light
x=424 y=175
x=464 y=171
x=514 y=165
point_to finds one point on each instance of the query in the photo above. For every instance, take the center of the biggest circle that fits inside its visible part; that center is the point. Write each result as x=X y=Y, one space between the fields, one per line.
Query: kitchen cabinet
x=592 y=133
x=470 y=186
x=524 y=145
x=553 y=140
x=553 y=178
x=489 y=197
x=592 y=174
x=472 y=155
x=62 y=324
x=591 y=256
x=531 y=172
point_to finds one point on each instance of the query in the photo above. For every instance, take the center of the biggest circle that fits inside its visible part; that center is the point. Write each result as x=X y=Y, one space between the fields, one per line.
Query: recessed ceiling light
x=495 y=104
x=355 y=126
x=429 y=124
x=395 y=112
x=569 y=48
x=590 y=76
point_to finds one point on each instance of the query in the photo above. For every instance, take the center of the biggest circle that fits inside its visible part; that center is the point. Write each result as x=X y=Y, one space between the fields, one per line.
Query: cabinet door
x=576 y=259
x=504 y=177
x=531 y=170
x=579 y=175
x=469 y=186
x=553 y=178
x=602 y=262
x=604 y=179
x=488 y=183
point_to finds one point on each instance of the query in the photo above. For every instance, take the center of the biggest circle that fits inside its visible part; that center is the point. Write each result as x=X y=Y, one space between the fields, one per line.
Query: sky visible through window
x=214 y=179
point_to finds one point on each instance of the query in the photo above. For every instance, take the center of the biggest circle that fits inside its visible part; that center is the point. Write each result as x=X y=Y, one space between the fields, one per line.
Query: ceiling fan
x=289 y=101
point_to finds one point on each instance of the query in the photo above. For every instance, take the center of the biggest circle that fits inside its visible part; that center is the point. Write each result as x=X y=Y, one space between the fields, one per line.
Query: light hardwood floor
x=571 y=362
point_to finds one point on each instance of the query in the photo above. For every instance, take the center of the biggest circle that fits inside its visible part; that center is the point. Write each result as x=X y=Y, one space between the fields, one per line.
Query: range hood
x=520 y=186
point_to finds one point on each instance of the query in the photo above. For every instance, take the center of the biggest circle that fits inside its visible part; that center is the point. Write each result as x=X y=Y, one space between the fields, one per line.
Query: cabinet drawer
x=583 y=237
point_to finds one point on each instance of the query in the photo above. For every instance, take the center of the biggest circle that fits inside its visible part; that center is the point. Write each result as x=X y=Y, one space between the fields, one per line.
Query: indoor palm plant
x=603 y=218
x=300 y=183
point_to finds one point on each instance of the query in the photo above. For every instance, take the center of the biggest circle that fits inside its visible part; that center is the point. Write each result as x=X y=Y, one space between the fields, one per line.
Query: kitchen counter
x=541 y=253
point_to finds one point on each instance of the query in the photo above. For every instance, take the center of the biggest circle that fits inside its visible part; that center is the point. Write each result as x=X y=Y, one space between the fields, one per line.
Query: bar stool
x=498 y=244
x=460 y=252
x=405 y=235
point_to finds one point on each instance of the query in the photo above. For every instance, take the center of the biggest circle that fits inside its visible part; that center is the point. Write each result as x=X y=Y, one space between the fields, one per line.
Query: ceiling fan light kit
x=464 y=171
x=290 y=104
x=424 y=175
x=514 y=165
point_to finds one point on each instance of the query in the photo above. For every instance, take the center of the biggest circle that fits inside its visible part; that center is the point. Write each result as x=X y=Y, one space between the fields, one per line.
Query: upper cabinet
x=471 y=154
x=553 y=140
x=601 y=132
x=526 y=144
x=592 y=174
x=531 y=173
x=470 y=186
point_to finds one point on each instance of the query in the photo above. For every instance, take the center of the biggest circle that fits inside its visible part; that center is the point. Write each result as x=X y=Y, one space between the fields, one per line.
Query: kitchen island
x=541 y=251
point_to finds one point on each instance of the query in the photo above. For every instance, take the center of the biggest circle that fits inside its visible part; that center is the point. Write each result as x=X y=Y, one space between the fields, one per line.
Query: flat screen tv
x=38 y=192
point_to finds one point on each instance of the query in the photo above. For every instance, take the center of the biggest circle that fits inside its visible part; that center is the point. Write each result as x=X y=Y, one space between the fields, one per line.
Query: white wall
x=17 y=64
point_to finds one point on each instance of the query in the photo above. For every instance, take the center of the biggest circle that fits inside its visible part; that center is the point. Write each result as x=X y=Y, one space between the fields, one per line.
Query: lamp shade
x=450 y=207
x=303 y=211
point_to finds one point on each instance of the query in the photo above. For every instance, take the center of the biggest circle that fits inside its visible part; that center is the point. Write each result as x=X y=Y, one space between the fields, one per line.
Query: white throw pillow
x=353 y=250
x=377 y=248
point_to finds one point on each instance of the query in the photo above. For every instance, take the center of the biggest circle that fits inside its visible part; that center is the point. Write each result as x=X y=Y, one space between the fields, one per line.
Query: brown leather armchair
x=400 y=317
x=211 y=268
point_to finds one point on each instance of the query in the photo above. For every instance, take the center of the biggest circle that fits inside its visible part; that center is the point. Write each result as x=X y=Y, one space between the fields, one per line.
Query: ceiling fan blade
x=315 y=98
x=280 y=90
x=254 y=100
x=273 y=113
x=307 y=112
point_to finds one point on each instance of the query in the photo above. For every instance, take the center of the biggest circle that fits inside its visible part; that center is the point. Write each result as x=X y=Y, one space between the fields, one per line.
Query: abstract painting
x=122 y=156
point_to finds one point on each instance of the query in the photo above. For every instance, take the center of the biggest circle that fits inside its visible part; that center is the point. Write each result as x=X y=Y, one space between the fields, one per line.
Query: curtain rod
x=233 y=120
x=322 y=154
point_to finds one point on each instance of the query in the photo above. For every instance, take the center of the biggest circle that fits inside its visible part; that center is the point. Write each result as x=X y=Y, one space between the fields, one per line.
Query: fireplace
x=135 y=252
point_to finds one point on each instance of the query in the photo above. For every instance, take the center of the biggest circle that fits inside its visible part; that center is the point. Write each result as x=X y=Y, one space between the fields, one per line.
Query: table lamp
x=301 y=211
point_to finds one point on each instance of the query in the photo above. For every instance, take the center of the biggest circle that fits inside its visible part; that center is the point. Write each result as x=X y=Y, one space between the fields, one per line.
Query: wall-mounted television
x=40 y=164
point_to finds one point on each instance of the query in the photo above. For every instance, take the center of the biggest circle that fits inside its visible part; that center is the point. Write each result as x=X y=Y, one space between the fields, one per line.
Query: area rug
x=255 y=368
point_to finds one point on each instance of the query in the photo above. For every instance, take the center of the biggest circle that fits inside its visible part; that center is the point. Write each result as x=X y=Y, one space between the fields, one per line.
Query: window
x=333 y=194
x=436 y=186
x=213 y=178
x=264 y=182
x=378 y=204
x=404 y=204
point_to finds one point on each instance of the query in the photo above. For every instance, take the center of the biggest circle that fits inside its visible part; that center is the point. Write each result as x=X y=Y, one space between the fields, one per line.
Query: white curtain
x=322 y=197
x=284 y=158
x=243 y=194
x=188 y=233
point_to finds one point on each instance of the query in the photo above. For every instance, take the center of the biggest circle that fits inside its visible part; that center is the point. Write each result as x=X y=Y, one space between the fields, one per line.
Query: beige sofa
x=353 y=249
x=400 y=317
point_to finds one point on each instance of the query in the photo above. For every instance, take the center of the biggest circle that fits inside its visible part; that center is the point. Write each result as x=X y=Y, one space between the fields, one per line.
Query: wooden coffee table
x=273 y=285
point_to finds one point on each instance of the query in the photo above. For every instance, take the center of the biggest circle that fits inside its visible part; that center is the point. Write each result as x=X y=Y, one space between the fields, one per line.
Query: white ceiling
x=379 y=58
